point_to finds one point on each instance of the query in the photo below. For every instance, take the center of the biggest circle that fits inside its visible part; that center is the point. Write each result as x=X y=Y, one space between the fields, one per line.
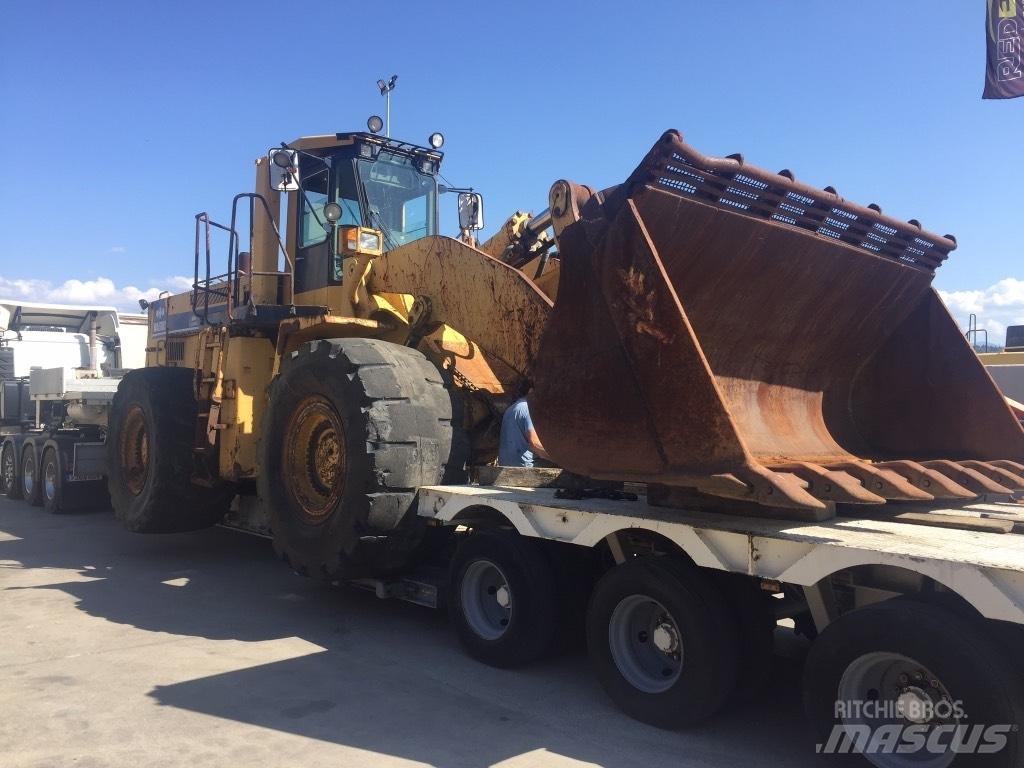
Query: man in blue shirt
x=518 y=442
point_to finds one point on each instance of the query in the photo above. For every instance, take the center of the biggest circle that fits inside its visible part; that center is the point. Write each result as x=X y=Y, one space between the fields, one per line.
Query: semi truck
x=1007 y=366
x=758 y=407
x=59 y=369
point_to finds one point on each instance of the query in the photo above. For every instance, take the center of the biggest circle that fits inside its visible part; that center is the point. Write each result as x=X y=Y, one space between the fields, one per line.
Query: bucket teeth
x=885 y=482
x=763 y=486
x=1012 y=479
x=928 y=480
x=969 y=478
x=1013 y=466
x=778 y=489
x=830 y=484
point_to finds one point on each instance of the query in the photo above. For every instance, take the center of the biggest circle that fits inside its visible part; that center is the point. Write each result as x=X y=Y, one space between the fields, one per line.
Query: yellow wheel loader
x=344 y=356
x=734 y=338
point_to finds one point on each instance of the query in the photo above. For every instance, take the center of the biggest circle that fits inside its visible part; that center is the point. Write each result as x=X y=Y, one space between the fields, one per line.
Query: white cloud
x=118 y=249
x=997 y=306
x=102 y=290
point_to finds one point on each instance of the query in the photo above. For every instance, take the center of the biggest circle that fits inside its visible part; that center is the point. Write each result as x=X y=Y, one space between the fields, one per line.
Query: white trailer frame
x=985 y=569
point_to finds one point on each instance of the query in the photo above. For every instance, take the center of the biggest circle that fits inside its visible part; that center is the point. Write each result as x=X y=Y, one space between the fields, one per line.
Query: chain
x=462 y=381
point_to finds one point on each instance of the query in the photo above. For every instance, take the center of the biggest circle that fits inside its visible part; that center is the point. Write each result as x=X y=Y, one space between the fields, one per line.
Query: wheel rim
x=907 y=694
x=7 y=461
x=134 y=450
x=28 y=474
x=50 y=480
x=486 y=599
x=646 y=644
x=314 y=458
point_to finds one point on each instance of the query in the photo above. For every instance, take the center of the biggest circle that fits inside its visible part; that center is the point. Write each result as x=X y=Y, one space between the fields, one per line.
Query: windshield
x=402 y=201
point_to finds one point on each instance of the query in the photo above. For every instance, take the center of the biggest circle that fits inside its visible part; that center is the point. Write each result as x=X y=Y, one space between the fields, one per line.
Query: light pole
x=386 y=87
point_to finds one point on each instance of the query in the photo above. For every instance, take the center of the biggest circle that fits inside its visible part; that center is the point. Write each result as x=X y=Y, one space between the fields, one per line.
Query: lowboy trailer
x=679 y=607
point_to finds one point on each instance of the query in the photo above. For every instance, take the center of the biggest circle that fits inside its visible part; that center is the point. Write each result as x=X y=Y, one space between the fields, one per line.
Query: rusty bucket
x=732 y=331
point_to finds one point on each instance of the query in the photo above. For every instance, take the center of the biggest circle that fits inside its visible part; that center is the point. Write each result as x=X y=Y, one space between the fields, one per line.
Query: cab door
x=312 y=253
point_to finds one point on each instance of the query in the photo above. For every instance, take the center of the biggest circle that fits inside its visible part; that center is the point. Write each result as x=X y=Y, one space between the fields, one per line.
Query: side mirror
x=471 y=211
x=284 y=169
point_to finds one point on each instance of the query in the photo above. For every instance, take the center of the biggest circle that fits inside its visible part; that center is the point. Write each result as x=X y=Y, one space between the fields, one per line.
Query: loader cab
x=376 y=183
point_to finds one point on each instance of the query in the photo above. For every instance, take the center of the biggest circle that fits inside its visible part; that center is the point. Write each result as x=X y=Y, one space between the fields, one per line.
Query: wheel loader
x=733 y=338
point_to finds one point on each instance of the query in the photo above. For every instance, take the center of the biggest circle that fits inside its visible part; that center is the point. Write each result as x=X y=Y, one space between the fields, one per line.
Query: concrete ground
x=201 y=649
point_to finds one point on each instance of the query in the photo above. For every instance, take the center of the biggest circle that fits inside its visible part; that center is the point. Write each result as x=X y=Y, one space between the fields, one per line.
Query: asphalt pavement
x=202 y=649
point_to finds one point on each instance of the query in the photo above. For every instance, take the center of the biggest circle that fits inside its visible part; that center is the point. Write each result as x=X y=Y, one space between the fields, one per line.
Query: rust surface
x=483 y=298
x=715 y=320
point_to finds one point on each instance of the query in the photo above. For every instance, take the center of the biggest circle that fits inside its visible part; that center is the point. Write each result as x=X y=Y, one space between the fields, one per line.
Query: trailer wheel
x=149 y=455
x=754 y=614
x=52 y=478
x=662 y=642
x=915 y=664
x=31 y=485
x=501 y=598
x=353 y=428
x=9 y=477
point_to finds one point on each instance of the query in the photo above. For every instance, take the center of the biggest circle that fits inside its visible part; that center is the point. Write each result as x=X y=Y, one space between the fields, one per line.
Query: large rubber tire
x=150 y=462
x=502 y=598
x=754 y=614
x=10 y=471
x=699 y=662
x=52 y=481
x=31 y=485
x=575 y=570
x=962 y=652
x=353 y=428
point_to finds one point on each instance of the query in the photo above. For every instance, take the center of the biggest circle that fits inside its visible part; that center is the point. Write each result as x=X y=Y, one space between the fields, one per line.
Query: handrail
x=234 y=245
x=231 y=291
x=203 y=219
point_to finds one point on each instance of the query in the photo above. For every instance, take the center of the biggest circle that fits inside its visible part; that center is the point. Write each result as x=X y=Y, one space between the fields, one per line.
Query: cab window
x=401 y=201
x=414 y=218
x=313 y=225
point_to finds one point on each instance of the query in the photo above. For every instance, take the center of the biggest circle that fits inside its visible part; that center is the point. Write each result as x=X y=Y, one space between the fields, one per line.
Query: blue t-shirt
x=513 y=445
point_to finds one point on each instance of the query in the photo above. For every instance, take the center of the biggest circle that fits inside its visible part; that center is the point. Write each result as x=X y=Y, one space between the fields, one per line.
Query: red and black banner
x=1004 y=28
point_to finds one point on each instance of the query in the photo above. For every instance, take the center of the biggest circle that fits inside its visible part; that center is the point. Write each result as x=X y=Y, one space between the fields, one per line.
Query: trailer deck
x=985 y=568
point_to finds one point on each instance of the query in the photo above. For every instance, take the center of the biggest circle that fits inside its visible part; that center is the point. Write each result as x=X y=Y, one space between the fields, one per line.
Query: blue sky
x=121 y=120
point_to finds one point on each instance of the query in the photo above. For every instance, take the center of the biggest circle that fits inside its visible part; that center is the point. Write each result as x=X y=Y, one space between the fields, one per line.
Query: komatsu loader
x=747 y=384
x=728 y=335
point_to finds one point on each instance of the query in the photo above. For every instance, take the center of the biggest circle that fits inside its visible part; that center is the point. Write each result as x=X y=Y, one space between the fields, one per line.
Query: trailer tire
x=662 y=641
x=501 y=598
x=31 y=487
x=150 y=462
x=52 y=477
x=859 y=654
x=754 y=614
x=575 y=574
x=10 y=476
x=353 y=428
